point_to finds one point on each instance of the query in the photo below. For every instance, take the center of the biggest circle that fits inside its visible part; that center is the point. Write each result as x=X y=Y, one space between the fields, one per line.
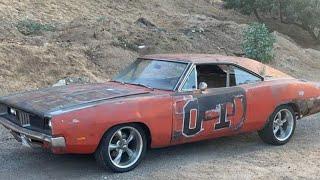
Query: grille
x=24 y=119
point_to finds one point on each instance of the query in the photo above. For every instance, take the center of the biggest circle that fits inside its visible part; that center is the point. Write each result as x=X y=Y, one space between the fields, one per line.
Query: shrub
x=102 y=19
x=258 y=43
x=30 y=27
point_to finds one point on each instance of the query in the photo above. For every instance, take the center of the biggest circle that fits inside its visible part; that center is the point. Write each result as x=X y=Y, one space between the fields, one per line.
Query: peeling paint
x=56 y=100
x=81 y=138
x=301 y=93
x=309 y=107
x=75 y=121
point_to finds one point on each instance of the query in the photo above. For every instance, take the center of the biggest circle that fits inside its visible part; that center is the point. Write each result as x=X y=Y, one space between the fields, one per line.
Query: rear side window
x=239 y=77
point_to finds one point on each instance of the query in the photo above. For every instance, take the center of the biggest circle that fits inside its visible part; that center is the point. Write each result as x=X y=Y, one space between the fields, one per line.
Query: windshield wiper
x=117 y=81
x=142 y=85
x=137 y=84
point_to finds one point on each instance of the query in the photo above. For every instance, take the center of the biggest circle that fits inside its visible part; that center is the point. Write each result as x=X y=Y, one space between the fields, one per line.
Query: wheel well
x=146 y=130
x=142 y=125
x=296 y=109
x=294 y=106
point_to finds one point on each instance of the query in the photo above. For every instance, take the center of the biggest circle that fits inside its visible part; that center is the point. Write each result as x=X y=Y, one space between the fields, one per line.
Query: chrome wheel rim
x=125 y=147
x=283 y=125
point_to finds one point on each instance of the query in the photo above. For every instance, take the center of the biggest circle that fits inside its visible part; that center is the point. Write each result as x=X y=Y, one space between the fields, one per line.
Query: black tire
x=103 y=156
x=267 y=133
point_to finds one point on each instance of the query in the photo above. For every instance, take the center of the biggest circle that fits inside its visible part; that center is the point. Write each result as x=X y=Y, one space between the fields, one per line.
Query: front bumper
x=32 y=138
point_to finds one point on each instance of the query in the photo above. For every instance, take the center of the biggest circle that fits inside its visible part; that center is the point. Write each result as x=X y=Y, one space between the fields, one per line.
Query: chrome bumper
x=29 y=138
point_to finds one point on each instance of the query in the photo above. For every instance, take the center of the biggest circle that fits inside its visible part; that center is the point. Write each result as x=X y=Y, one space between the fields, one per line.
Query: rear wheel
x=122 y=148
x=280 y=127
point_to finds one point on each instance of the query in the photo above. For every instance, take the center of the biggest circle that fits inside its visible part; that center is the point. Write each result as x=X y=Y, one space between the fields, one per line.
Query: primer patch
x=301 y=93
x=75 y=121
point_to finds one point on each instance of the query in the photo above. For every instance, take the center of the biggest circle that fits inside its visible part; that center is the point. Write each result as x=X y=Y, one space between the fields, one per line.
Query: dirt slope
x=296 y=61
x=95 y=39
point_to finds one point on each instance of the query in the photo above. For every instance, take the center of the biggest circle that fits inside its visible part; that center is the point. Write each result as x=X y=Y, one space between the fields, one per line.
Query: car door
x=258 y=97
x=216 y=112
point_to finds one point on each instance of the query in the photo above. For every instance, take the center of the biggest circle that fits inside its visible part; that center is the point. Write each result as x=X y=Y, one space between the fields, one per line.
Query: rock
x=72 y=80
x=193 y=30
x=61 y=82
x=143 y=22
x=141 y=46
x=201 y=30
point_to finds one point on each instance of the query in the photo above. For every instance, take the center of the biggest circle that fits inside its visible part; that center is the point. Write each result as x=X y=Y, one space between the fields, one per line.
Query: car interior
x=216 y=76
x=219 y=76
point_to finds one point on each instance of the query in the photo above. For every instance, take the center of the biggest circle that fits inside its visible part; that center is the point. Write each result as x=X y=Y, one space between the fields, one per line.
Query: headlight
x=49 y=124
x=13 y=111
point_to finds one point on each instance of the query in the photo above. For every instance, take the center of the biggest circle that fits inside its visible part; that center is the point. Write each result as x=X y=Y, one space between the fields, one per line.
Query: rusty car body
x=210 y=96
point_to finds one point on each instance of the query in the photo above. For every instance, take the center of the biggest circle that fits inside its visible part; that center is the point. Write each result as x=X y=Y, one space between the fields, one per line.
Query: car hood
x=45 y=101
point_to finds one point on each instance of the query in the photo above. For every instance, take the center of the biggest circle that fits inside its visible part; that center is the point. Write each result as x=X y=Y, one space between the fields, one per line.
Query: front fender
x=84 y=128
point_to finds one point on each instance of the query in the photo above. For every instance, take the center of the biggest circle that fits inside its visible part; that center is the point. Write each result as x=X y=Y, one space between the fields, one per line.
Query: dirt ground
x=238 y=157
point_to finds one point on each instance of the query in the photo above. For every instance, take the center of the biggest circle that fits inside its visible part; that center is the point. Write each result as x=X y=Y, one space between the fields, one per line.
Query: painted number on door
x=194 y=115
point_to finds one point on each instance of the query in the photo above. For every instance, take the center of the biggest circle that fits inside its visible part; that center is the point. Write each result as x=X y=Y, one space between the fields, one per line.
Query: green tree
x=249 y=7
x=303 y=13
x=258 y=43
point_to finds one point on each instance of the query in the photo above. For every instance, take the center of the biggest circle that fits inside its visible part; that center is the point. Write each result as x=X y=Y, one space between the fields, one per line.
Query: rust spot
x=301 y=93
x=81 y=139
x=309 y=107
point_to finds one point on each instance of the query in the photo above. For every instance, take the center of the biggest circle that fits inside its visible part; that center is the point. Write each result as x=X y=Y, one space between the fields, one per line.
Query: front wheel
x=122 y=148
x=280 y=127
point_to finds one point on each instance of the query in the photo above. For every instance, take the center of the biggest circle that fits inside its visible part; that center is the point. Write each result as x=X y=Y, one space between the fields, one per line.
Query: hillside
x=95 y=39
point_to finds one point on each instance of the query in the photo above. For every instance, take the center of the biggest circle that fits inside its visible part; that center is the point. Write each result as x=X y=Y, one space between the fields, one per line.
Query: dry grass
x=97 y=38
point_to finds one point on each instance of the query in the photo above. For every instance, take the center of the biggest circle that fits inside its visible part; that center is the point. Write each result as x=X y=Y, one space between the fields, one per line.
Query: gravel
x=238 y=157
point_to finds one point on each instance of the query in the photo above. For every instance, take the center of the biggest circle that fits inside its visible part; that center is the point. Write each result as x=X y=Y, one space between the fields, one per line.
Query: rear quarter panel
x=309 y=101
x=265 y=97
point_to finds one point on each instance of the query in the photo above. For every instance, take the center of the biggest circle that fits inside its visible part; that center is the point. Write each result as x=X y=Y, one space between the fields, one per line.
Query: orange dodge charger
x=158 y=101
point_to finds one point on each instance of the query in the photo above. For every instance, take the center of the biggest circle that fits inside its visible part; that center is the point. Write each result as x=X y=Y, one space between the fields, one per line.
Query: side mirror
x=203 y=86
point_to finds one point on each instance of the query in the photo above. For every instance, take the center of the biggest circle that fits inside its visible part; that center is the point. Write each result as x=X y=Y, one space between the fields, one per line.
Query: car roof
x=195 y=58
x=252 y=65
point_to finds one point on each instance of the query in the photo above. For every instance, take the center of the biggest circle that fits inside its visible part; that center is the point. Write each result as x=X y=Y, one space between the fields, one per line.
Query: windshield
x=152 y=73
